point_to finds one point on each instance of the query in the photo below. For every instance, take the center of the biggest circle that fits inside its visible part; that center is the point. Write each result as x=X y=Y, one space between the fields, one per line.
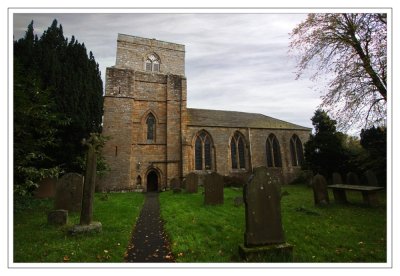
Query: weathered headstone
x=191 y=185
x=47 y=188
x=57 y=217
x=175 y=185
x=352 y=179
x=213 y=189
x=337 y=178
x=90 y=182
x=370 y=178
x=69 y=192
x=86 y=224
x=320 y=189
x=264 y=238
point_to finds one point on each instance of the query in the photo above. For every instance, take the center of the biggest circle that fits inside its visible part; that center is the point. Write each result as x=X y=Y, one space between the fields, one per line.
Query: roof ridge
x=237 y=119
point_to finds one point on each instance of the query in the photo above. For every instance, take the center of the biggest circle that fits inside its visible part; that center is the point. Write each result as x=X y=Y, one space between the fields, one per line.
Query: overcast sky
x=233 y=61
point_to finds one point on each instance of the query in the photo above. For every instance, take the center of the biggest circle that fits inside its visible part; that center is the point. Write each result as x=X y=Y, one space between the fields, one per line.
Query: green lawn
x=35 y=241
x=335 y=233
x=199 y=233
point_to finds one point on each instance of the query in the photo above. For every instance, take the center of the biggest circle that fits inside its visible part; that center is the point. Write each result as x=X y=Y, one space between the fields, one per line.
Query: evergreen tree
x=324 y=152
x=373 y=140
x=58 y=101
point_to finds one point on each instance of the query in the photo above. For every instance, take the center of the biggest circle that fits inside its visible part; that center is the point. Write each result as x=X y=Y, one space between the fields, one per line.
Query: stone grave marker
x=47 y=188
x=352 y=179
x=370 y=178
x=57 y=217
x=264 y=238
x=175 y=185
x=69 y=190
x=86 y=224
x=337 y=178
x=320 y=189
x=213 y=189
x=191 y=185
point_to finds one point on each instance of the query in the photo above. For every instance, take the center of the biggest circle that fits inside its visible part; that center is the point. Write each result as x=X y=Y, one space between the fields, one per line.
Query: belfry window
x=151 y=130
x=296 y=151
x=273 y=152
x=203 y=151
x=152 y=63
x=238 y=152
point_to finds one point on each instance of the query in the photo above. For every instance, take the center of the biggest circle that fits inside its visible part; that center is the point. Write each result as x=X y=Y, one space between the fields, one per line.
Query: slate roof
x=235 y=119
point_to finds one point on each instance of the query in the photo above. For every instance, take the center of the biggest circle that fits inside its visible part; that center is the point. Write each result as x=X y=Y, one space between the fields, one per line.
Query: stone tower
x=144 y=111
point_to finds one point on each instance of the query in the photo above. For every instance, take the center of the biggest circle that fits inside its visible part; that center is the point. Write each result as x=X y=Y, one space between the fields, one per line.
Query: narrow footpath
x=149 y=243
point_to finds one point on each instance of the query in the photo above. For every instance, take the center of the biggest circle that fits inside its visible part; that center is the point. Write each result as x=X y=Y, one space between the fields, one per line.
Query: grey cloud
x=233 y=61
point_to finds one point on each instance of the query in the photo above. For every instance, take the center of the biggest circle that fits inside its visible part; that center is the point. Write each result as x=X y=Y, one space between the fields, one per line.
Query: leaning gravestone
x=213 y=189
x=86 y=225
x=352 y=179
x=320 y=189
x=69 y=190
x=191 y=183
x=175 y=185
x=264 y=239
x=370 y=178
x=337 y=178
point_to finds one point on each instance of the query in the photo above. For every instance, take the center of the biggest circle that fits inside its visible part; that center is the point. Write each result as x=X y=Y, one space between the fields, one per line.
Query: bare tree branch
x=351 y=49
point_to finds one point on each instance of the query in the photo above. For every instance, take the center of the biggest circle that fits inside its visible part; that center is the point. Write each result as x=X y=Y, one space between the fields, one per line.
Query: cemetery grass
x=36 y=241
x=335 y=233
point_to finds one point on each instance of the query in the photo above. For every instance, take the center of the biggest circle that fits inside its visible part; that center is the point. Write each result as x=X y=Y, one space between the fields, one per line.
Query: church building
x=154 y=137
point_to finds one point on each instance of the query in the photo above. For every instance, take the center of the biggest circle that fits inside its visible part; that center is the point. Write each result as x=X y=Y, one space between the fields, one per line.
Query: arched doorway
x=152 y=181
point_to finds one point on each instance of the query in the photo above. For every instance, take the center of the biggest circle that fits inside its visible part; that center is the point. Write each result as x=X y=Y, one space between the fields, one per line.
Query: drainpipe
x=250 y=151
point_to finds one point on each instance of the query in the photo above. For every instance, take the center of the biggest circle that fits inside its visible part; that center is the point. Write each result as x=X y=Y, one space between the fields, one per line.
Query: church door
x=152 y=181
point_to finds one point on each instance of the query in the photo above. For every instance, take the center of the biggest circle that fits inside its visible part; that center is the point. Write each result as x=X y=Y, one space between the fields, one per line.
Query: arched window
x=203 y=151
x=152 y=63
x=296 y=151
x=151 y=129
x=273 y=152
x=238 y=151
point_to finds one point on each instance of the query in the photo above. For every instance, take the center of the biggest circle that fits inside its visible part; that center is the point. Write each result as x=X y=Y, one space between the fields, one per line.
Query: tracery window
x=273 y=152
x=238 y=152
x=151 y=129
x=152 y=63
x=203 y=151
x=296 y=151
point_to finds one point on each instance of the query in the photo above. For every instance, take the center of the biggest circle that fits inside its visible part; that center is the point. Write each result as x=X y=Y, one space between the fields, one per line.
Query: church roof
x=221 y=118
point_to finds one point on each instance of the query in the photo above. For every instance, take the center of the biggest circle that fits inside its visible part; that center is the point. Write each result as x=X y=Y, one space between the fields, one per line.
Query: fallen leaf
x=66 y=258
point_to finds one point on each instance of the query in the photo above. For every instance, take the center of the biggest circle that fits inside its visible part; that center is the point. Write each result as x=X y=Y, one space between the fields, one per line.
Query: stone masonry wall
x=132 y=52
x=118 y=106
x=255 y=150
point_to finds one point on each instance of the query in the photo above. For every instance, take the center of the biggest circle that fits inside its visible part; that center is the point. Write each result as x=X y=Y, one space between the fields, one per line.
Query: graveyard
x=206 y=233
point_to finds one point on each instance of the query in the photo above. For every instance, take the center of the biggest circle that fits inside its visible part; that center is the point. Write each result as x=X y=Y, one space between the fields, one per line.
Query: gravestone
x=57 y=217
x=191 y=185
x=352 y=179
x=90 y=182
x=175 y=185
x=86 y=225
x=213 y=189
x=47 y=188
x=370 y=178
x=264 y=238
x=337 y=178
x=69 y=190
x=320 y=189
